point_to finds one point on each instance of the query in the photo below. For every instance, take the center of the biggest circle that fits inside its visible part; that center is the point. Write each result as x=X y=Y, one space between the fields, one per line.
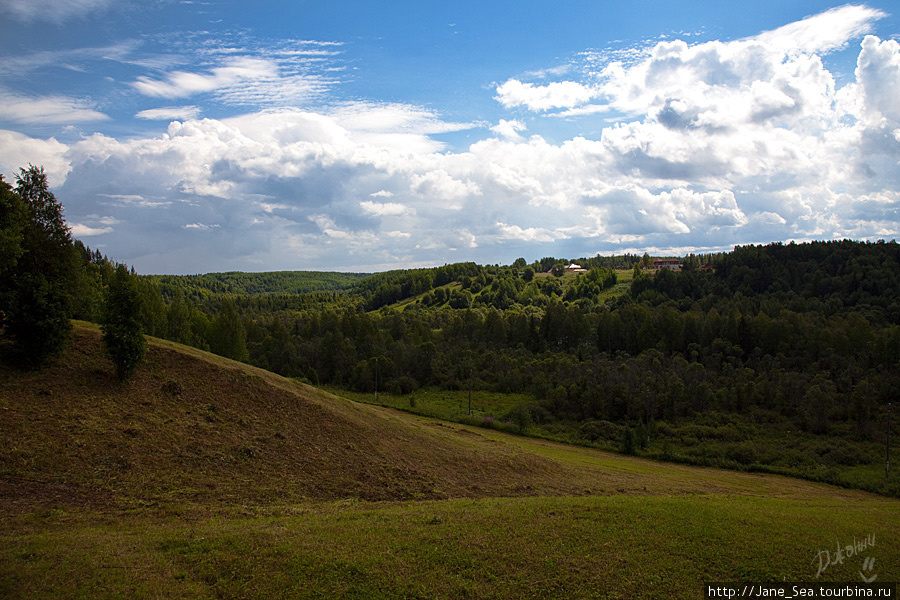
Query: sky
x=189 y=136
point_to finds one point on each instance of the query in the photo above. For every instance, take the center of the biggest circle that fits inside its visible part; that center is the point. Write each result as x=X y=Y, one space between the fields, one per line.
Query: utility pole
x=376 y=379
x=887 y=447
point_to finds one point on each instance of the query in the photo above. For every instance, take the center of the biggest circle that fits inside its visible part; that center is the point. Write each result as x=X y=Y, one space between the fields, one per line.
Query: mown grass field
x=246 y=485
x=617 y=546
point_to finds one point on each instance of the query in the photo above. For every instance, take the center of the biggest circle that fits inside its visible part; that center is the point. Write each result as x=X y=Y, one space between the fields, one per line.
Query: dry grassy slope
x=195 y=427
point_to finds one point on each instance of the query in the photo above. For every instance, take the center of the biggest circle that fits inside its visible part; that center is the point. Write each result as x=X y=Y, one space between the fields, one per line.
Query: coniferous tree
x=122 y=329
x=36 y=287
x=13 y=215
x=228 y=337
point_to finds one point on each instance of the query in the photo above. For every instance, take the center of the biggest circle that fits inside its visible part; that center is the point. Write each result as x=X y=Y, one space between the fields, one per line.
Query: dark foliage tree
x=122 y=328
x=37 y=284
x=228 y=336
x=13 y=218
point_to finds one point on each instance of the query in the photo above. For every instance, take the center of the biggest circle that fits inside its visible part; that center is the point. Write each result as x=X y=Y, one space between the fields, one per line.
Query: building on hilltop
x=672 y=264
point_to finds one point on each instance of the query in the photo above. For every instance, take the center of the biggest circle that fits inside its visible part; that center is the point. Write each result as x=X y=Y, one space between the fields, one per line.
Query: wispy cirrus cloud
x=55 y=11
x=47 y=109
x=822 y=33
x=243 y=71
x=170 y=113
x=180 y=84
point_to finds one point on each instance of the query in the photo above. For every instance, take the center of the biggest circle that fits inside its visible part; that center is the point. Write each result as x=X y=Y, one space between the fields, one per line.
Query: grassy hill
x=207 y=478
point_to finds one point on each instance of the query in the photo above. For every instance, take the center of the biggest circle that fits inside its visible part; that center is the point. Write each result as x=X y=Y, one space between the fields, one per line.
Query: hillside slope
x=193 y=426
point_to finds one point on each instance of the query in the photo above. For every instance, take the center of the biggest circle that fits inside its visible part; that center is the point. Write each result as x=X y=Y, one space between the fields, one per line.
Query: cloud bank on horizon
x=260 y=162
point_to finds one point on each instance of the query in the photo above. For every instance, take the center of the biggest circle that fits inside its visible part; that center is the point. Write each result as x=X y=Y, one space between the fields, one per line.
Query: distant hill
x=275 y=282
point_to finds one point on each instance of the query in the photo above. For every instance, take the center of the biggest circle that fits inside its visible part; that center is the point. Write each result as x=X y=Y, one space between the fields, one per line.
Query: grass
x=112 y=491
x=619 y=546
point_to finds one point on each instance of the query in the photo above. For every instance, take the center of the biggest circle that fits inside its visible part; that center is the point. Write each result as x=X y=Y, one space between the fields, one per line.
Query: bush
x=520 y=416
x=743 y=453
x=628 y=446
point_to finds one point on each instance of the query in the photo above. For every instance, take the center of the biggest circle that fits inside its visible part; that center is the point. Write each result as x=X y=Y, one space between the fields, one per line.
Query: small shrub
x=600 y=430
x=743 y=453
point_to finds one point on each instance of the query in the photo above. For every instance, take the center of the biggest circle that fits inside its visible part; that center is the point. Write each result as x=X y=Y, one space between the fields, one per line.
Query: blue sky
x=197 y=136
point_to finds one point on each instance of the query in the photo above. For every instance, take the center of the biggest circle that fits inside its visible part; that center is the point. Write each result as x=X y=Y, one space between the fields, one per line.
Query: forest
x=778 y=357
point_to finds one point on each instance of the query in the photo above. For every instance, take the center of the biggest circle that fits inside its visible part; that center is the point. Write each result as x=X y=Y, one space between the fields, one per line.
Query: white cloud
x=47 y=109
x=562 y=94
x=878 y=73
x=385 y=209
x=170 y=113
x=726 y=142
x=75 y=59
x=55 y=11
x=80 y=231
x=824 y=32
x=18 y=151
x=531 y=234
x=509 y=129
x=467 y=239
x=200 y=226
x=401 y=127
x=180 y=84
x=440 y=185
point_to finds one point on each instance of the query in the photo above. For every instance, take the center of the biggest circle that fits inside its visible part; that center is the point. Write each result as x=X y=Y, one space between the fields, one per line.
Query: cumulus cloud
x=726 y=142
x=384 y=209
x=560 y=94
x=878 y=73
x=18 y=151
x=530 y=234
x=440 y=185
x=80 y=231
x=509 y=129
